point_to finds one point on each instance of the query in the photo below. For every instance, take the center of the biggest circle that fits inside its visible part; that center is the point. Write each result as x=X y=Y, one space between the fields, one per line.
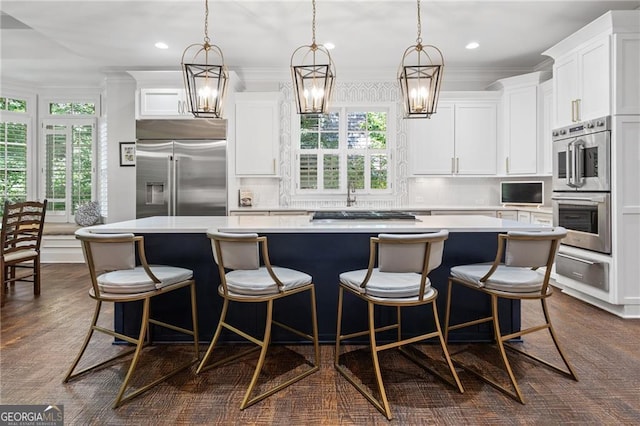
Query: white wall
x=120 y=118
x=464 y=191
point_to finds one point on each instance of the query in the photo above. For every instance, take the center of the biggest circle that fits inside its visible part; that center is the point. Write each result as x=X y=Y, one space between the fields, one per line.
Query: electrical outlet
x=419 y=199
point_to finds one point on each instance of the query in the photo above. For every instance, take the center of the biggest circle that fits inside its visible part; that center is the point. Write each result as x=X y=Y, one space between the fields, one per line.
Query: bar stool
x=400 y=280
x=515 y=279
x=115 y=278
x=248 y=282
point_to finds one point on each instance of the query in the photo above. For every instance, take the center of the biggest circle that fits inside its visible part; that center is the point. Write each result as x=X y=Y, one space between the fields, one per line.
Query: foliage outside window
x=68 y=165
x=346 y=145
x=13 y=105
x=13 y=161
x=13 y=150
x=72 y=108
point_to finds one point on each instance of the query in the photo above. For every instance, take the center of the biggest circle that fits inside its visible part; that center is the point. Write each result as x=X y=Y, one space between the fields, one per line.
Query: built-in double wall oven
x=581 y=184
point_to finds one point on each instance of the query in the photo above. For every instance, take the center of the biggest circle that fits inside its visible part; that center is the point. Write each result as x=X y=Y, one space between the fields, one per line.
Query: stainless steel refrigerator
x=181 y=167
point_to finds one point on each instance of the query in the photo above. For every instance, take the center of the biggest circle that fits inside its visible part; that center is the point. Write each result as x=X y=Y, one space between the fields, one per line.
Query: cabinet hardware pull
x=453 y=165
x=578 y=101
x=506 y=161
x=573 y=111
x=457 y=164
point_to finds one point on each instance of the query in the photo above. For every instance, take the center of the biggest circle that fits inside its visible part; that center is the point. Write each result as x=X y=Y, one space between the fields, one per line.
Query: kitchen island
x=323 y=249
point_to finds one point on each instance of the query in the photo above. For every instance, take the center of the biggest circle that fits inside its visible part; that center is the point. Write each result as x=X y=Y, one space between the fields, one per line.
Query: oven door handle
x=578 y=161
x=577 y=259
x=583 y=201
x=569 y=161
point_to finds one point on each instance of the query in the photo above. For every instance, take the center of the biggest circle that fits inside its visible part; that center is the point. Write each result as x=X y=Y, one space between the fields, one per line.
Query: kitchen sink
x=362 y=215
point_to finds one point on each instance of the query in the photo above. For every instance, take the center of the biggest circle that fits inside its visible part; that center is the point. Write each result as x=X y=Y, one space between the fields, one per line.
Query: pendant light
x=313 y=75
x=420 y=77
x=205 y=82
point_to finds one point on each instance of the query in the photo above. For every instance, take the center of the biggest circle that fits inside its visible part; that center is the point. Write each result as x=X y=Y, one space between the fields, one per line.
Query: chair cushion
x=505 y=278
x=21 y=254
x=136 y=280
x=386 y=284
x=258 y=282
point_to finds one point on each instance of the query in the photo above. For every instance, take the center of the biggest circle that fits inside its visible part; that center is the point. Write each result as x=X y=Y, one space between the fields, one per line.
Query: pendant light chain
x=313 y=26
x=206 y=23
x=419 y=39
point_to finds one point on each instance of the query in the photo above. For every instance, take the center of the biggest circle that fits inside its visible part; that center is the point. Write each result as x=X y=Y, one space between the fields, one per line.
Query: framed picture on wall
x=127 y=154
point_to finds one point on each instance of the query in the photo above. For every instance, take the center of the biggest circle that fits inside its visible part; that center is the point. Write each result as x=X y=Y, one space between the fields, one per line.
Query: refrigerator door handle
x=175 y=185
x=170 y=185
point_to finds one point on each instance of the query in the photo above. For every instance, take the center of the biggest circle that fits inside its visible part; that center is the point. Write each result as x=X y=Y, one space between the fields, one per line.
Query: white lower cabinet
x=507 y=214
x=541 y=218
x=524 y=217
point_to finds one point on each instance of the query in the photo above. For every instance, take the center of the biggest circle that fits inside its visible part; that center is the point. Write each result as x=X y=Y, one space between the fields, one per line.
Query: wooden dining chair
x=21 y=234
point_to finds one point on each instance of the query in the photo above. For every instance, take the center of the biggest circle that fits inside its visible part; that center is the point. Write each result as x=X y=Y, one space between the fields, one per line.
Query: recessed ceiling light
x=329 y=45
x=161 y=45
x=472 y=45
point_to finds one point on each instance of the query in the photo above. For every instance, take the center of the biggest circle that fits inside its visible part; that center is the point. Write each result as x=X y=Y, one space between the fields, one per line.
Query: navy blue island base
x=324 y=256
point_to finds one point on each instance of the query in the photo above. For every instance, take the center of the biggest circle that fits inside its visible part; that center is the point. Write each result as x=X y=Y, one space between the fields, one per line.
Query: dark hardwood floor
x=40 y=337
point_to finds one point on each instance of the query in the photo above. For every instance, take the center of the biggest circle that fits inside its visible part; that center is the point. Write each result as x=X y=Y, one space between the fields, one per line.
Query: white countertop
x=303 y=224
x=423 y=208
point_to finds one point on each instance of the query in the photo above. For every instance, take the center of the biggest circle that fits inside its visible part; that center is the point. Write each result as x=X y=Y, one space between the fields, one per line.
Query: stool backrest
x=532 y=249
x=235 y=250
x=107 y=252
x=411 y=252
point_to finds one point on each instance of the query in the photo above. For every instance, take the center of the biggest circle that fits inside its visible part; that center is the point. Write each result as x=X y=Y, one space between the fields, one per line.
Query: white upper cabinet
x=460 y=139
x=545 y=127
x=257 y=133
x=163 y=103
x=520 y=124
x=595 y=69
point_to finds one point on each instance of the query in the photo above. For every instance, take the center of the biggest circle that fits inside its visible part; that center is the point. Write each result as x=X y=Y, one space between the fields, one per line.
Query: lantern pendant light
x=420 y=77
x=313 y=74
x=205 y=82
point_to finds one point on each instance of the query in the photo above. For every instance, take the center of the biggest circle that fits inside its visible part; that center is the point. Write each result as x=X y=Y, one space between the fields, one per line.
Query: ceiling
x=72 y=43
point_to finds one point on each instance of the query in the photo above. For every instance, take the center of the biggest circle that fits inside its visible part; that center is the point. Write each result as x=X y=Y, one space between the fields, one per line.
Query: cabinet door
x=545 y=141
x=524 y=217
x=594 y=65
x=475 y=138
x=521 y=130
x=507 y=214
x=257 y=134
x=626 y=69
x=565 y=89
x=542 y=218
x=162 y=102
x=431 y=142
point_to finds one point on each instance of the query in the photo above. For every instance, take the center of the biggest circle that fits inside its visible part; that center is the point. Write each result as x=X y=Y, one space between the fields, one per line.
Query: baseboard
x=60 y=249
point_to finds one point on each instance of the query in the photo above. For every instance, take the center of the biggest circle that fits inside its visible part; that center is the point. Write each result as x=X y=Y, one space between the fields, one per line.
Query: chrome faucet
x=351 y=189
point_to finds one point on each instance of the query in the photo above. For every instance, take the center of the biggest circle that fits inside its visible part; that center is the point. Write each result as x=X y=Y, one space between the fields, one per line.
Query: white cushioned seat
x=258 y=282
x=136 y=280
x=386 y=285
x=22 y=254
x=505 y=278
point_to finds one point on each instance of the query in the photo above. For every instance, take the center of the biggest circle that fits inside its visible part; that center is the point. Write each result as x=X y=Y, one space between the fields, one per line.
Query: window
x=72 y=108
x=14 y=143
x=345 y=145
x=68 y=166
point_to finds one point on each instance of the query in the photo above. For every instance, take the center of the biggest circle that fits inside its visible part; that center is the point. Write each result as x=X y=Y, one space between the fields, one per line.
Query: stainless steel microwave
x=581 y=156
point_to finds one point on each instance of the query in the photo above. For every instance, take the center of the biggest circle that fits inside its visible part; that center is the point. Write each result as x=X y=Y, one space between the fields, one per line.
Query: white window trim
x=29 y=119
x=378 y=195
x=67 y=216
